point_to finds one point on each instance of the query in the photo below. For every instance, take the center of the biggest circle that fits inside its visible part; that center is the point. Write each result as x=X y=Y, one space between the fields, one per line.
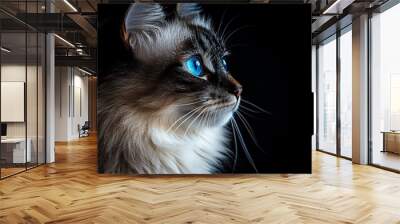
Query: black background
x=271 y=58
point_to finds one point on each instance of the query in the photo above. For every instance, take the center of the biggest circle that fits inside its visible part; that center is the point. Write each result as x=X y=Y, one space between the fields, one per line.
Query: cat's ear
x=191 y=12
x=141 y=21
x=188 y=10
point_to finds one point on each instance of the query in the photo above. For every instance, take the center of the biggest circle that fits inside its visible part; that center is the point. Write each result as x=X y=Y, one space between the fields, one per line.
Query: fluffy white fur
x=196 y=153
x=160 y=150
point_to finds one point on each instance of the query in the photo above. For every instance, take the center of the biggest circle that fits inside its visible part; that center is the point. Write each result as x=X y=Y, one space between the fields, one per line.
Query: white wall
x=80 y=109
x=71 y=102
x=62 y=81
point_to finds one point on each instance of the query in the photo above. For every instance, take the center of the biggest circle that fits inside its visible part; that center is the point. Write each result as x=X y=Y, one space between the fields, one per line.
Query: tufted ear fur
x=188 y=10
x=142 y=21
x=191 y=12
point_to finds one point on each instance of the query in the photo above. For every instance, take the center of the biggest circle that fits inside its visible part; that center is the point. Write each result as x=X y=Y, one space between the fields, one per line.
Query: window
x=346 y=93
x=327 y=96
x=385 y=88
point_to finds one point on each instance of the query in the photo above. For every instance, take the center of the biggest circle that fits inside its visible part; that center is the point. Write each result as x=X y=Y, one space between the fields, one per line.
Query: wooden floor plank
x=71 y=191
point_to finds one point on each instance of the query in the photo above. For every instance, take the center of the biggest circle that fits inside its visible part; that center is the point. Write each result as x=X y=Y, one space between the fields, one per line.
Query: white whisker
x=221 y=21
x=226 y=27
x=233 y=32
x=246 y=151
x=191 y=103
x=182 y=117
x=191 y=123
x=248 y=109
x=198 y=109
x=246 y=112
x=254 y=105
x=249 y=129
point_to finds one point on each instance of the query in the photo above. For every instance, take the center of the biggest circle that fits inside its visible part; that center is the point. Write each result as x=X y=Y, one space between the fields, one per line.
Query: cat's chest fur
x=196 y=153
x=140 y=145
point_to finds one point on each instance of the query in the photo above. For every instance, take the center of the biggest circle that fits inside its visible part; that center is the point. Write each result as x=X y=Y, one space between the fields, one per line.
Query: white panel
x=77 y=112
x=50 y=99
x=12 y=101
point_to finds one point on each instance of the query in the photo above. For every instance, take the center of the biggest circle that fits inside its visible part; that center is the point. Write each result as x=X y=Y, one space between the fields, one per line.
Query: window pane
x=327 y=96
x=313 y=84
x=346 y=94
x=385 y=86
x=14 y=153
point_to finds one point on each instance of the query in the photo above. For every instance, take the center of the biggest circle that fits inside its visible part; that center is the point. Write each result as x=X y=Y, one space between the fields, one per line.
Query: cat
x=167 y=112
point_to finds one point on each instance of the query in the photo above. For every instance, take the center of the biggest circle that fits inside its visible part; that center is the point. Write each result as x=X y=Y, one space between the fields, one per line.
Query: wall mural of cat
x=182 y=88
x=169 y=115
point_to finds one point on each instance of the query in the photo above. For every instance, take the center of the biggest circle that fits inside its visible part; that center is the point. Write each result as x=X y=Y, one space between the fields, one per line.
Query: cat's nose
x=238 y=90
x=234 y=86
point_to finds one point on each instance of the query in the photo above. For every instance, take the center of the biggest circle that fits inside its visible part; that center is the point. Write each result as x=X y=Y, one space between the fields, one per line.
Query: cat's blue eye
x=225 y=64
x=194 y=66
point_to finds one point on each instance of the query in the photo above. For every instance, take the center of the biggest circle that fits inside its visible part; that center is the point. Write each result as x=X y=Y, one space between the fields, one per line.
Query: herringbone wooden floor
x=70 y=191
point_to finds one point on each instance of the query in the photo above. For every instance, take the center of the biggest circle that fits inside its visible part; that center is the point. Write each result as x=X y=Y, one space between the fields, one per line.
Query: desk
x=13 y=150
x=391 y=141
